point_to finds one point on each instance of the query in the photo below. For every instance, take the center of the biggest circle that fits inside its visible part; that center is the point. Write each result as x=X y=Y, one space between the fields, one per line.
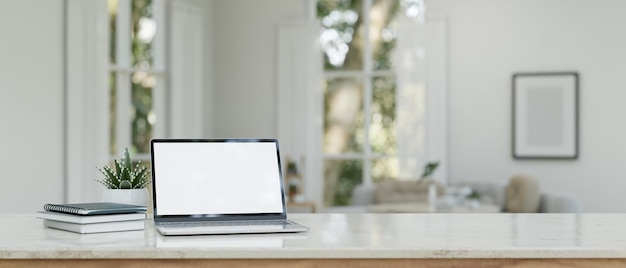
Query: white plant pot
x=127 y=196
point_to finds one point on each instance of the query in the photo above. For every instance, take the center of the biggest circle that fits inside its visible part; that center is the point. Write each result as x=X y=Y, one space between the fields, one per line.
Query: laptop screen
x=213 y=178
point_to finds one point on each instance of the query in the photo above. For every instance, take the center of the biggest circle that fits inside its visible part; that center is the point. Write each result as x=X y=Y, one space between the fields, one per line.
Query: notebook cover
x=98 y=208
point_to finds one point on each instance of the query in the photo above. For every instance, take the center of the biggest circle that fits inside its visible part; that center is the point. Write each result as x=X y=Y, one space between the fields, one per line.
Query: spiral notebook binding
x=63 y=208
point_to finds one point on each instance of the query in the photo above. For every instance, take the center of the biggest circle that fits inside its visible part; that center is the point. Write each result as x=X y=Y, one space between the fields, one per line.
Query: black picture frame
x=545 y=115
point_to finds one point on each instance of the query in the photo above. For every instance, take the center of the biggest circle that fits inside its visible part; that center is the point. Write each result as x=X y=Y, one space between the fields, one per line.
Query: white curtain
x=421 y=96
x=299 y=90
x=186 y=70
x=87 y=97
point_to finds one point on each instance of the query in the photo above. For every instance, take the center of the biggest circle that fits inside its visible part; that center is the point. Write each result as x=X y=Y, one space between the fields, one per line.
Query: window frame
x=426 y=35
x=123 y=70
x=365 y=75
x=87 y=95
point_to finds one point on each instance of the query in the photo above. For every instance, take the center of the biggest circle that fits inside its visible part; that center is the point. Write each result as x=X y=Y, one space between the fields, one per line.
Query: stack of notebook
x=99 y=217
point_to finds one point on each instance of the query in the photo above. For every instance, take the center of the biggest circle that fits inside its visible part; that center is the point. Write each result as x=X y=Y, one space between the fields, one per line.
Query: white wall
x=492 y=39
x=31 y=104
x=489 y=40
x=244 y=64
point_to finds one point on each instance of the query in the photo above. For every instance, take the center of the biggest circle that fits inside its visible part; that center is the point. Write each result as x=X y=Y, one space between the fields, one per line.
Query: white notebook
x=96 y=227
x=65 y=217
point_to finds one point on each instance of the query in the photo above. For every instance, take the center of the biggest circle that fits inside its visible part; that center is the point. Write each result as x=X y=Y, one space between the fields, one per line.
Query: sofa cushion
x=559 y=202
x=397 y=191
x=363 y=194
x=522 y=195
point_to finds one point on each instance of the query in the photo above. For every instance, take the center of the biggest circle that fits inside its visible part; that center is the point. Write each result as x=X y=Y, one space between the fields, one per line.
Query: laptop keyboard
x=222 y=223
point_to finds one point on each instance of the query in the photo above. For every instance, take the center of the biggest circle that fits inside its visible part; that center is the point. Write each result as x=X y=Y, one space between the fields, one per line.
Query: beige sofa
x=550 y=201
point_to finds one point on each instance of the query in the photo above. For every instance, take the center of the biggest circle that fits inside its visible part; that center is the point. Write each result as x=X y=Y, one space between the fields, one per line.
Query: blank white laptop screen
x=217 y=178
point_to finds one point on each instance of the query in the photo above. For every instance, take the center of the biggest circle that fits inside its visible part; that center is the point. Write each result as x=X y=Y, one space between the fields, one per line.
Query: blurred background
x=357 y=91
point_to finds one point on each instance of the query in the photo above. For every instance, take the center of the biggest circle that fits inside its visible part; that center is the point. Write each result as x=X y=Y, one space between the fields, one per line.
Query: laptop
x=218 y=186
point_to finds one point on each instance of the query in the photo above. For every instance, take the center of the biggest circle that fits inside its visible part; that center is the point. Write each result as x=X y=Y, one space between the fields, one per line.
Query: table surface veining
x=443 y=236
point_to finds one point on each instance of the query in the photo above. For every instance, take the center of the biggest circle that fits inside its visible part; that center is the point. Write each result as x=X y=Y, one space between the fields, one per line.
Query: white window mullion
x=116 y=68
x=367 y=91
x=123 y=87
x=341 y=74
x=358 y=74
x=159 y=93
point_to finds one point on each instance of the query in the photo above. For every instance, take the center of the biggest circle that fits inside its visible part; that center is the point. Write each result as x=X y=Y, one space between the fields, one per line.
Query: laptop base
x=243 y=228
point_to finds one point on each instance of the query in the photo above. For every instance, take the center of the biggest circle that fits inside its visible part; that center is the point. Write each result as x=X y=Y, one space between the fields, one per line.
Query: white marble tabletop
x=423 y=207
x=342 y=236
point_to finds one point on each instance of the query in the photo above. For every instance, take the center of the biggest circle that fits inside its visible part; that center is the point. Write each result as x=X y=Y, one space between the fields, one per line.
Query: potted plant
x=429 y=185
x=292 y=168
x=429 y=169
x=293 y=180
x=125 y=184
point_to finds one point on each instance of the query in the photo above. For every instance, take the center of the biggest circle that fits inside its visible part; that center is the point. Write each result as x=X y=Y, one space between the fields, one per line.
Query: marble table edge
x=314 y=254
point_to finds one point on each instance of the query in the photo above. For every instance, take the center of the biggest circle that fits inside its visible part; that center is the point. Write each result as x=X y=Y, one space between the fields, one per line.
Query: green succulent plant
x=124 y=176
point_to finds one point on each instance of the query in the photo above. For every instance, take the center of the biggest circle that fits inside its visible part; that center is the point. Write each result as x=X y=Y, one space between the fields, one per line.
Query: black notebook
x=98 y=208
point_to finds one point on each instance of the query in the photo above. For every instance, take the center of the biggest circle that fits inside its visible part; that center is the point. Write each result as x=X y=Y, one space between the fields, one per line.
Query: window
x=360 y=122
x=117 y=96
x=136 y=75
